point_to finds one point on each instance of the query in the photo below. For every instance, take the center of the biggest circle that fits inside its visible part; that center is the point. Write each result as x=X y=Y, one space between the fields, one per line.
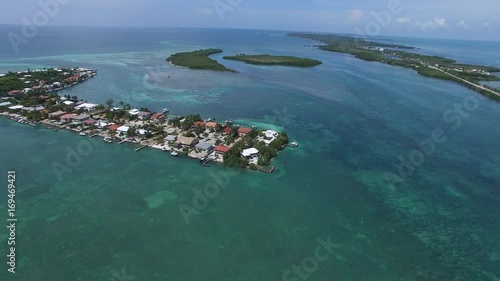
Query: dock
x=140 y=148
x=205 y=162
x=269 y=170
x=93 y=136
x=122 y=141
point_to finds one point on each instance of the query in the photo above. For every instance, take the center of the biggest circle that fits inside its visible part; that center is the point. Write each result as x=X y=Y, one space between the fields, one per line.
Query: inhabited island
x=275 y=60
x=204 y=139
x=198 y=59
x=437 y=67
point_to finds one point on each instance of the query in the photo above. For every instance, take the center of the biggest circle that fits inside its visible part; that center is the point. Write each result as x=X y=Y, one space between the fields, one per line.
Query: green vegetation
x=233 y=157
x=198 y=60
x=274 y=60
x=430 y=66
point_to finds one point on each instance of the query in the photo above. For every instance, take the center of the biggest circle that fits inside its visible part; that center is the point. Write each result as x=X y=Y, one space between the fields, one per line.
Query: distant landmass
x=437 y=67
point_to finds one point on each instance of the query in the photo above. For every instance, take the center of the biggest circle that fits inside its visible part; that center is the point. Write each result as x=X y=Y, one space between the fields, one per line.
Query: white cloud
x=463 y=24
x=356 y=15
x=403 y=20
x=433 y=24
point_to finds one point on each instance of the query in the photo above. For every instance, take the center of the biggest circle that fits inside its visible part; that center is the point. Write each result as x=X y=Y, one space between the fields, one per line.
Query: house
x=250 y=152
x=206 y=146
x=89 y=122
x=57 y=114
x=199 y=124
x=7 y=103
x=14 y=92
x=16 y=107
x=187 y=141
x=143 y=115
x=170 y=138
x=220 y=149
x=28 y=109
x=80 y=118
x=244 y=131
x=72 y=78
x=86 y=106
x=123 y=129
x=227 y=131
x=69 y=103
x=27 y=90
x=39 y=108
x=158 y=117
x=68 y=117
x=113 y=127
x=211 y=125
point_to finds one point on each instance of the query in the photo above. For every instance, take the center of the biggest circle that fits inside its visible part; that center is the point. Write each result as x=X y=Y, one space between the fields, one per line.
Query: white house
x=250 y=152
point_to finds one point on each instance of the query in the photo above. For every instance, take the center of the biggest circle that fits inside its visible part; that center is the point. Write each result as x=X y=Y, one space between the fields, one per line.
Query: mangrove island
x=198 y=59
x=275 y=60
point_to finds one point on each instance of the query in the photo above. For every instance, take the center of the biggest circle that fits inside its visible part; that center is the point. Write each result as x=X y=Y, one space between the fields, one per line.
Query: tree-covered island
x=275 y=60
x=198 y=59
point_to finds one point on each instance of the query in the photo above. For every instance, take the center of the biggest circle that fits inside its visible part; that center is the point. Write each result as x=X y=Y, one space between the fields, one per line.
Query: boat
x=174 y=153
x=165 y=110
x=294 y=144
x=108 y=140
x=83 y=134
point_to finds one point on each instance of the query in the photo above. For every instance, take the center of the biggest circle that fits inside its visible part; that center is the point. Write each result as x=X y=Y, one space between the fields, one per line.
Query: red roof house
x=221 y=149
x=227 y=130
x=244 y=130
x=114 y=127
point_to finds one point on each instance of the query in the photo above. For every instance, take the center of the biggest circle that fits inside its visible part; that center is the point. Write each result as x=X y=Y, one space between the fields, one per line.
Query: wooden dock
x=140 y=148
x=268 y=170
x=205 y=162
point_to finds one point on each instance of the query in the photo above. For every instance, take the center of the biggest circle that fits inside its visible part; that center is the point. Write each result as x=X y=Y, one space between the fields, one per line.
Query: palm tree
x=110 y=102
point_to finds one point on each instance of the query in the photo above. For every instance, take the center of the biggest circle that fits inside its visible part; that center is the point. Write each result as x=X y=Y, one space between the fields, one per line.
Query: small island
x=198 y=59
x=437 y=67
x=275 y=60
x=203 y=139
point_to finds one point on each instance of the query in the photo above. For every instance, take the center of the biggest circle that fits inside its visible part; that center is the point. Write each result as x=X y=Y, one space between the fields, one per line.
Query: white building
x=250 y=152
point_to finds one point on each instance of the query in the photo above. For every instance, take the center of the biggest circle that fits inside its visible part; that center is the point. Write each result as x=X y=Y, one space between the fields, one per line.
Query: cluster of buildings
x=36 y=81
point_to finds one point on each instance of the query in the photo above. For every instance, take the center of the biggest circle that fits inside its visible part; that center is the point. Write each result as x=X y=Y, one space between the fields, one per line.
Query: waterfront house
x=57 y=114
x=244 y=131
x=211 y=125
x=158 y=117
x=220 y=149
x=227 y=130
x=68 y=117
x=81 y=118
x=250 y=153
x=199 y=124
x=113 y=127
x=86 y=106
x=143 y=115
x=69 y=103
x=187 y=141
x=89 y=122
x=170 y=138
x=206 y=146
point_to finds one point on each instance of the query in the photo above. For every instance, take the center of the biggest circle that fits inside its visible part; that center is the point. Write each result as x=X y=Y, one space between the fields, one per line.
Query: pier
x=122 y=141
x=268 y=170
x=140 y=148
x=93 y=136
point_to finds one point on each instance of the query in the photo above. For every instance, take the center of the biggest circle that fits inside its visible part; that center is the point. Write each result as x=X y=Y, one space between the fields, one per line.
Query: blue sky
x=465 y=19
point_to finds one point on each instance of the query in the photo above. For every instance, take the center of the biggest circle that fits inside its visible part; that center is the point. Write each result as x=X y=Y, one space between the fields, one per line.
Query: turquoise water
x=118 y=210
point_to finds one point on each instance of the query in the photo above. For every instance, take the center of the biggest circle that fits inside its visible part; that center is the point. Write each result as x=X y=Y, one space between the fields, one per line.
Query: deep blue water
x=353 y=119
